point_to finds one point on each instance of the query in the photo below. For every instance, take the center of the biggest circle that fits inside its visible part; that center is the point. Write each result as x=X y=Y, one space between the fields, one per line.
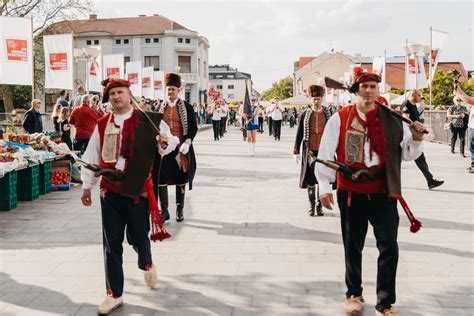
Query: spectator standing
x=77 y=99
x=457 y=112
x=65 y=127
x=84 y=119
x=32 y=122
x=469 y=100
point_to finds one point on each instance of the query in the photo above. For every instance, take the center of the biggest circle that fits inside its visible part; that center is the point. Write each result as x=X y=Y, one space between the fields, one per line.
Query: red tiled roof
x=142 y=25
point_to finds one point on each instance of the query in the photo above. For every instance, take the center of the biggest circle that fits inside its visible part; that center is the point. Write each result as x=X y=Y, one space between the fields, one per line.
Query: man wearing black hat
x=179 y=167
x=310 y=131
x=368 y=138
x=123 y=147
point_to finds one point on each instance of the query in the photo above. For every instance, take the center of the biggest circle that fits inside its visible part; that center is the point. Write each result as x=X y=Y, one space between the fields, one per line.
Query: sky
x=264 y=38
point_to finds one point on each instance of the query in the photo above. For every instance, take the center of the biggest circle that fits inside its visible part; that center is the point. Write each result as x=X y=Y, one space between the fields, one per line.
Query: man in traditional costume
x=308 y=138
x=122 y=148
x=368 y=139
x=179 y=167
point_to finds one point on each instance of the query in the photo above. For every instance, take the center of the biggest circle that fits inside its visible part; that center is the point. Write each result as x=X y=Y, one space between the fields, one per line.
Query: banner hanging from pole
x=158 y=86
x=378 y=67
x=438 y=39
x=134 y=75
x=16 y=51
x=148 y=82
x=113 y=66
x=416 y=73
x=58 y=72
x=94 y=72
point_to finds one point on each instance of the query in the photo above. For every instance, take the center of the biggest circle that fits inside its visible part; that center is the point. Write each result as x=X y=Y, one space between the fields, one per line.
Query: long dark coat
x=307 y=171
x=169 y=168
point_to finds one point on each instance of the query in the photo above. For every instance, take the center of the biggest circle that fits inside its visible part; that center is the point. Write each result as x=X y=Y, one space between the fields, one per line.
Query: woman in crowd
x=251 y=127
x=65 y=128
x=456 y=113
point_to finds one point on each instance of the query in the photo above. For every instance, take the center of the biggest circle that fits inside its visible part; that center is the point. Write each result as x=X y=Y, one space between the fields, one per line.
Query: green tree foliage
x=282 y=89
x=442 y=89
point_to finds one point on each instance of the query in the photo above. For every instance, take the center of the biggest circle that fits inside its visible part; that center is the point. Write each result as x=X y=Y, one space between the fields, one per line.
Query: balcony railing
x=189 y=77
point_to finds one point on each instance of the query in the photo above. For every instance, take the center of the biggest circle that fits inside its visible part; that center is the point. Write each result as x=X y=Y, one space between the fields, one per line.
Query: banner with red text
x=58 y=59
x=113 y=66
x=16 y=55
x=159 y=85
x=94 y=72
x=148 y=82
x=133 y=71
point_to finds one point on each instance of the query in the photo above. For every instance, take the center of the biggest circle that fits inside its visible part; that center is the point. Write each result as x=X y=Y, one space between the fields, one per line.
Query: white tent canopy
x=298 y=100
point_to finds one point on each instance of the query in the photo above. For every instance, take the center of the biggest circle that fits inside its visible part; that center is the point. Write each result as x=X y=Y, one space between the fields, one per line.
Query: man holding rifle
x=122 y=150
x=370 y=141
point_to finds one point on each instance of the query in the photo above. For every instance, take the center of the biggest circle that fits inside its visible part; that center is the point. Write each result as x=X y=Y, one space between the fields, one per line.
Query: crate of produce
x=45 y=178
x=27 y=183
x=8 y=198
x=61 y=175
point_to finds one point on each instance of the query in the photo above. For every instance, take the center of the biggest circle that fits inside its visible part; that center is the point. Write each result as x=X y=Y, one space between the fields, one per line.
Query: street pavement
x=246 y=247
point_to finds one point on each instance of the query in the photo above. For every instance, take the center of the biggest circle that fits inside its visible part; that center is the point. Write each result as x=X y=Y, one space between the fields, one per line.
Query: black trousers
x=216 y=128
x=277 y=129
x=423 y=166
x=381 y=212
x=461 y=132
x=260 y=123
x=223 y=126
x=270 y=126
x=120 y=212
x=81 y=144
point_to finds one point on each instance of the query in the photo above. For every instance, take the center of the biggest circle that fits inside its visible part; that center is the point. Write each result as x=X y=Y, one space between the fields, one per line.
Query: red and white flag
x=416 y=73
x=378 y=67
x=94 y=72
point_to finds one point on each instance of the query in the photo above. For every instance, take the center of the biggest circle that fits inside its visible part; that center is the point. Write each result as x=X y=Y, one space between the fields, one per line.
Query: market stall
x=32 y=165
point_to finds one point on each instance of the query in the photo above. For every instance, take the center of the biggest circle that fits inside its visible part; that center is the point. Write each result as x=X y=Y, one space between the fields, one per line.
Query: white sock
x=253 y=149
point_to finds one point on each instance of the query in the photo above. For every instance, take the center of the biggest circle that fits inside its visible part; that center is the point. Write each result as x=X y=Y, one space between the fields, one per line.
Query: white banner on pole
x=16 y=51
x=94 y=72
x=58 y=72
x=134 y=75
x=416 y=73
x=438 y=40
x=378 y=67
x=113 y=66
x=159 y=87
x=148 y=82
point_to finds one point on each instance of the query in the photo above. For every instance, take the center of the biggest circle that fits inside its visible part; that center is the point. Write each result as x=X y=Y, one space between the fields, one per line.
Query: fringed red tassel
x=158 y=230
x=375 y=134
x=415 y=224
x=128 y=135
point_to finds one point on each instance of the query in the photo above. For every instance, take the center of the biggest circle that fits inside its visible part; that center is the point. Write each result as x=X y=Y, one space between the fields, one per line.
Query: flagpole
x=33 y=62
x=430 y=68
x=406 y=72
x=384 y=69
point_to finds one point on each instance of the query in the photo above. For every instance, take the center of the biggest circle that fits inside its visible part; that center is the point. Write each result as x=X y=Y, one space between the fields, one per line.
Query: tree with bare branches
x=44 y=13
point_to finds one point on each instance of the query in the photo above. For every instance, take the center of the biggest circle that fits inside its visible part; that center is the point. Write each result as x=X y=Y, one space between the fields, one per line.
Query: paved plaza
x=246 y=247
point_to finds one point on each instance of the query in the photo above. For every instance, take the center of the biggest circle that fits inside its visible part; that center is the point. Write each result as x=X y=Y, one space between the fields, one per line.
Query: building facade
x=154 y=40
x=229 y=83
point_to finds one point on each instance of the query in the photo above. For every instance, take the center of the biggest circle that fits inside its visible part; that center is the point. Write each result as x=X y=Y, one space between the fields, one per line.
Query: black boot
x=319 y=206
x=312 y=200
x=180 y=190
x=163 y=197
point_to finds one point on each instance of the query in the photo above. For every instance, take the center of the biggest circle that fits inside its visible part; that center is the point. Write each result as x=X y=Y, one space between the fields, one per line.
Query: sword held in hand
x=334 y=84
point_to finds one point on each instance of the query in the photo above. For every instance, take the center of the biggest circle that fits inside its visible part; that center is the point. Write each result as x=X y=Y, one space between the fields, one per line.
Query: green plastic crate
x=45 y=178
x=8 y=187
x=27 y=184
